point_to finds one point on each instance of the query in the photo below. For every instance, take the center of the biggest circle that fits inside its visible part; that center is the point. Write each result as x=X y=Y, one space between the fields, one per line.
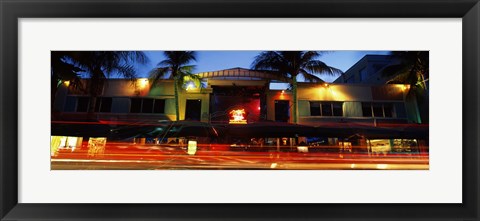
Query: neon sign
x=237 y=117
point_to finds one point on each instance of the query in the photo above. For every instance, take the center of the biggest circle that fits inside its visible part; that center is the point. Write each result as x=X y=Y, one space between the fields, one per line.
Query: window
x=367 y=109
x=315 y=108
x=388 y=110
x=82 y=104
x=377 y=109
x=135 y=105
x=147 y=105
x=337 y=108
x=326 y=109
x=76 y=104
x=70 y=104
x=159 y=106
x=103 y=104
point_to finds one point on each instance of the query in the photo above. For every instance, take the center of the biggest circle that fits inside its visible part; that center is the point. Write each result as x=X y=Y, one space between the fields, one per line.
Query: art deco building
x=335 y=114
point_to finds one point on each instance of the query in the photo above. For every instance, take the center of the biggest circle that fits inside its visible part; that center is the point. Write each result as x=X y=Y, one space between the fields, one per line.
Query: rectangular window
x=147 y=106
x=337 y=109
x=97 y=104
x=388 y=110
x=135 y=105
x=82 y=104
x=106 y=104
x=70 y=104
x=159 y=106
x=378 y=109
x=400 y=111
x=326 y=109
x=367 y=109
x=314 y=108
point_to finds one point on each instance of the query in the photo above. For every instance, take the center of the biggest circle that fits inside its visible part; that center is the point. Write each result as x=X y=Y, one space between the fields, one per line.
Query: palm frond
x=158 y=73
x=399 y=79
x=195 y=79
x=291 y=63
x=187 y=69
x=319 y=67
x=310 y=77
x=126 y=71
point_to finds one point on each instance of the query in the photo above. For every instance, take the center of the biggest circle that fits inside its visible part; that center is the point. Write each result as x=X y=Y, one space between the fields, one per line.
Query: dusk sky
x=219 y=60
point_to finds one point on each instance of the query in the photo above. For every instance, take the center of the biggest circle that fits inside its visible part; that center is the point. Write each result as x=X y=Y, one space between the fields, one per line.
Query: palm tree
x=176 y=66
x=291 y=64
x=412 y=69
x=62 y=71
x=101 y=65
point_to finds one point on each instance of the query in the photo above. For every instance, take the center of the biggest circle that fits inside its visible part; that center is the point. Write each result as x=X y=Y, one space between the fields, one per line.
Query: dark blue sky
x=219 y=60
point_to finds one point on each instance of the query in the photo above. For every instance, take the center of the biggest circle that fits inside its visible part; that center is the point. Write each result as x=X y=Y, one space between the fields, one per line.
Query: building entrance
x=282 y=113
x=227 y=98
x=193 y=110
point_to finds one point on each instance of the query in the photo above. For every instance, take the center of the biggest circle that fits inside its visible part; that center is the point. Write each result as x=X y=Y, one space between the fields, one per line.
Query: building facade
x=367 y=70
x=139 y=101
x=339 y=110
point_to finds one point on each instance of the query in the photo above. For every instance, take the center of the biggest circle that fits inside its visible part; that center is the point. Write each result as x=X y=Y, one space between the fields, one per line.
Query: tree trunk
x=96 y=86
x=177 y=111
x=294 y=94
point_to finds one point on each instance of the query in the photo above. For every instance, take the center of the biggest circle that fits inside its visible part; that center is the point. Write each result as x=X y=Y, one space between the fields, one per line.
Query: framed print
x=259 y=138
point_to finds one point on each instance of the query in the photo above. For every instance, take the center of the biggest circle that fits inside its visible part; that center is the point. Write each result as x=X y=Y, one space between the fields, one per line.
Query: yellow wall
x=327 y=92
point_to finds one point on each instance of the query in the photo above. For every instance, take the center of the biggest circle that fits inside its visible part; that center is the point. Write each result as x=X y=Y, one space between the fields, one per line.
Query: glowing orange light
x=67 y=83
x=237 y=116
x=326 y=85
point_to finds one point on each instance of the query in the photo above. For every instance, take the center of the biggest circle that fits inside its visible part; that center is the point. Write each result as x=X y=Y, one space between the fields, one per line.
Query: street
x=155 y=157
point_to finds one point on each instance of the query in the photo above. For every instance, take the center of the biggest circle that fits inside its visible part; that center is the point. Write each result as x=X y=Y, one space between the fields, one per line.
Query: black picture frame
x=11 y=11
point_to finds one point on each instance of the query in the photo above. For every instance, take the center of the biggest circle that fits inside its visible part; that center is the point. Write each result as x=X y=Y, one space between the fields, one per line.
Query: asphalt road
x=175 y=158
